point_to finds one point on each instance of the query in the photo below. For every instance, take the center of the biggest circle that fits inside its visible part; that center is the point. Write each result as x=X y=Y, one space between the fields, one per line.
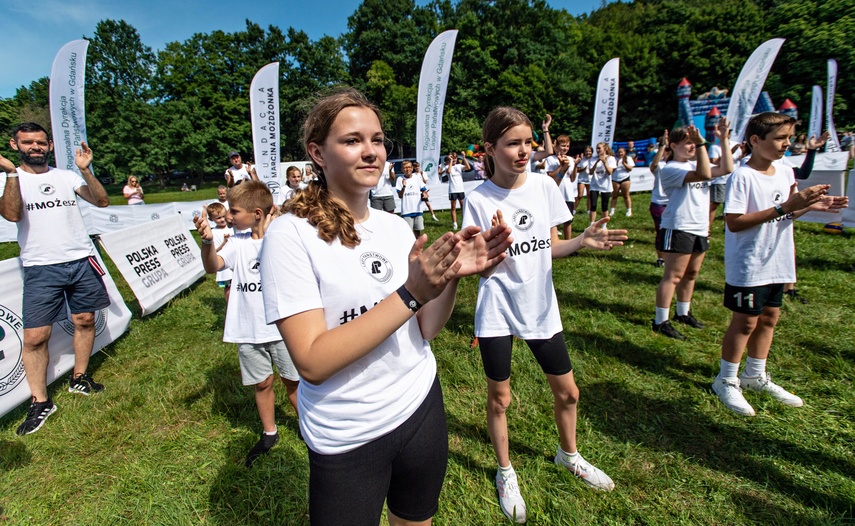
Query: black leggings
x=604 y=200
x=405 y=468
x=551 y=354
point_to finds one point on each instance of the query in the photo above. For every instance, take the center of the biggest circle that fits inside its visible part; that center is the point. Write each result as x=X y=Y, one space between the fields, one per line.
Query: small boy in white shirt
x=761 y=204
x=260 y=346
x=410 y=190
x=221 y=231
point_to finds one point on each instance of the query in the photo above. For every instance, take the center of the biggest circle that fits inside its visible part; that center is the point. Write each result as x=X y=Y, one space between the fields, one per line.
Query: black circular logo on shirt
x=377 y=266
x=777 y=197
x=523 y=219
x=47 y=189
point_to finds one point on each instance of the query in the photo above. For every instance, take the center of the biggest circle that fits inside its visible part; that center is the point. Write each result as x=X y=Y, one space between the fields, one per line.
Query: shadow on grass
x=13 y=454
x=273 y=491
x=236 y=402
x=678 y=425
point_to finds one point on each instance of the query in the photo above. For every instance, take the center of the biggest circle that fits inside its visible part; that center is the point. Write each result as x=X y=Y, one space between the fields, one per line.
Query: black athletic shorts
x=752 y=300
x=680 y=242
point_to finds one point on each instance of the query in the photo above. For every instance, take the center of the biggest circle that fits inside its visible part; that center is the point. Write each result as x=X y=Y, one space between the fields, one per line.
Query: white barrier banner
x=67 y=108
x=433 y=82
x=606 y=103
x=815 y=127
x=264 y=110
x=749 y=85
x=115 y=218
x=833 y=144
x=110 y=323
x=158 y=260
x=848 y=214
x=828 y=168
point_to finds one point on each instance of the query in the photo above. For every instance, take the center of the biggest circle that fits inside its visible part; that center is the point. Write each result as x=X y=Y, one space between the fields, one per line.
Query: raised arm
x=93 y=191
x=11 y=205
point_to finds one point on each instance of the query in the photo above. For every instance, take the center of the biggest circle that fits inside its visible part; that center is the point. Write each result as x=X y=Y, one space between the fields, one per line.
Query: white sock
x=661 y=315
x=755 y=367
x=728 y=369
x=271 y=433
x=572 y=457
x=506 y=471
x=611 y=211
x=683 y=308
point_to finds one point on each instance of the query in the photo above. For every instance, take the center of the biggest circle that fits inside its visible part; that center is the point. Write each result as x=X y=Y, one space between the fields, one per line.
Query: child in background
x=417 y=169
x=656 y=159
x=410 y=190
x=295 y=182
x=517 y=298
x=562 y=169
x=601 y=168
x=621 y=182
x=221 y=232
x=583 y=177
x=260 y=346
x=761 y=204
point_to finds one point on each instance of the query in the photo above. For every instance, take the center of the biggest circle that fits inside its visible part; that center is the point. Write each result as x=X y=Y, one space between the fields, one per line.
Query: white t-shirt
x=241 y=174
x=384 y=187
x=455 y=179
x=688 y=207
x=567 y=187
x=219 y=236
x=601 y=181
x=659 y=195
x=245 y=314
x=621 y=173
x=51 y=229
x=763 y=254
x=301 y=272
x=583 y=177
x=715 y=153
x=518 y=297
x=411 y=201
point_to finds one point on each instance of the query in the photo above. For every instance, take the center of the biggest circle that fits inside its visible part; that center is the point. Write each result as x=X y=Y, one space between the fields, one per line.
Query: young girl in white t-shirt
x=356 y=302
x=517 y=297
x=583 y=177
x=685 y=222
x=620 y=182
x=601 y=168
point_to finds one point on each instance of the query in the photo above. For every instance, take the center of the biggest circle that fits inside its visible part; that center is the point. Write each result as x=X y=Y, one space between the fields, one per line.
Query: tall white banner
x=158 y=260
x=433 y=82
x=110 y=323
x=749 y=85
x=815 y=128
x=606 y=103
x=67 y=108
x=264 y=108
x=833 y=144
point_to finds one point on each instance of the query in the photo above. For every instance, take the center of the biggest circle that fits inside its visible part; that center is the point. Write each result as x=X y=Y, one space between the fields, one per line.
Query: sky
x=35 y=30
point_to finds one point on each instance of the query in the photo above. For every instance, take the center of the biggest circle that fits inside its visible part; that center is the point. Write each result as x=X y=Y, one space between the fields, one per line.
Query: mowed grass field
x=165 y=443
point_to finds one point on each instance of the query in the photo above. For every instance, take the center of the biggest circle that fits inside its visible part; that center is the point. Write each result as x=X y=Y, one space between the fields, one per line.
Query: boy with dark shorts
x=760 y=207
x=59 y=261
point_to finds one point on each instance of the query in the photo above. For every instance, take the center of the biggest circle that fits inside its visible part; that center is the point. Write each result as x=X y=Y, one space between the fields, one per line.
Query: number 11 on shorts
x=748 y=298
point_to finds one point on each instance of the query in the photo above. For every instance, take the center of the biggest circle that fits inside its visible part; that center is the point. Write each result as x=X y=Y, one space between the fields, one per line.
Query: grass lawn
x=165 y=443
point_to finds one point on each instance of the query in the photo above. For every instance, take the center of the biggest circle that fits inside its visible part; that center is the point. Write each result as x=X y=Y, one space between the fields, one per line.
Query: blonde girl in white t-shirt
x=356 y=302
x=601 y=168
x=620 y=182
x=517 y=297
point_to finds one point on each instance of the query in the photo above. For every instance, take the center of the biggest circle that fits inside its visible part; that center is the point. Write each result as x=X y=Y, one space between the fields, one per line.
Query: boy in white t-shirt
x=759 y=257
x=410 y=190
x=260 y=346
x=562 y=168
x=456 y=191
x=222 y=231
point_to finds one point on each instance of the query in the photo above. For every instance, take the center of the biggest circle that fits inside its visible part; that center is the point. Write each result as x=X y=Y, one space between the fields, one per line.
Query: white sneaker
x=590 y=474
x=611 y=211
x=435 y=219
x=730 y=394
x=763 y=384
x=629 y=212
x=454 y=226
x=510 y=499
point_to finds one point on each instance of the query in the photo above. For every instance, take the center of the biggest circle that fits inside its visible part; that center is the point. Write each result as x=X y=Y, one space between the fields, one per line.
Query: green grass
x=164 y=444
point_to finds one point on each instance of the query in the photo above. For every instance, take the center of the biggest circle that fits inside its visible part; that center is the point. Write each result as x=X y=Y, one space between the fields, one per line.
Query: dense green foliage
x=186 y=106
